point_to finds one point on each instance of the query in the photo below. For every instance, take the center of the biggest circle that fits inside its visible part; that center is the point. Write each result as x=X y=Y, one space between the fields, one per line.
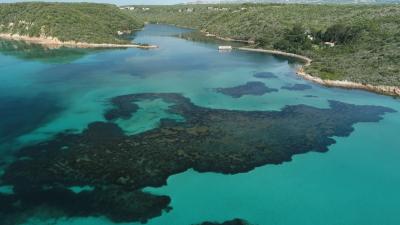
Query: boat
x=225 y=47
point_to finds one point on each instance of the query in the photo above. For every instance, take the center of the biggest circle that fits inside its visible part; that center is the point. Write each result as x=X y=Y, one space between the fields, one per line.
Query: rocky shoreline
x=380 y=89
x=55 y=42
x=305 y=59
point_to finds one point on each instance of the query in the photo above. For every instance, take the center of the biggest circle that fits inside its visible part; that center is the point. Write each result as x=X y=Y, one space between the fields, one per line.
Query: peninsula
x=351 y=46
x=82 y=25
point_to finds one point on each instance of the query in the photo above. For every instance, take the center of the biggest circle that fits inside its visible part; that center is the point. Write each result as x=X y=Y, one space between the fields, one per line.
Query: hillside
x=322 y=1
x=80 y=22
x=366 y=37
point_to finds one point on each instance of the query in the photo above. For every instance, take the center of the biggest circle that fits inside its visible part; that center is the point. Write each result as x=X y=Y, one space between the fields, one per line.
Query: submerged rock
x=310 y=96
x=113 y=202
x=250 y=88
x=230 y=222
x=209 y=140
x=265 y=75
x=123 y=110
x=297 y=87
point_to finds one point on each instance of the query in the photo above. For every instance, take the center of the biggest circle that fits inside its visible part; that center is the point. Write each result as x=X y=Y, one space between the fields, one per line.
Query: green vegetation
x=82 y=22
x=366 y=37
x=294 y=40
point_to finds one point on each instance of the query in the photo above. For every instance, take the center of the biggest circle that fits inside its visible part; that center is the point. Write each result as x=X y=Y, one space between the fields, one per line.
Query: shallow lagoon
x=354 y=183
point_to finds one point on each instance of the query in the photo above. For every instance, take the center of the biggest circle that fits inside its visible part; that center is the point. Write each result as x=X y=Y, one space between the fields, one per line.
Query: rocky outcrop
x=230 y=222
x=297 y=87
x=380 y=89
x=54 y=42
x=250 y=88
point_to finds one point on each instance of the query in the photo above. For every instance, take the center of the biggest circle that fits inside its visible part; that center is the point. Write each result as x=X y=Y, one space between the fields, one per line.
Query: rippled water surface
x=45 y=91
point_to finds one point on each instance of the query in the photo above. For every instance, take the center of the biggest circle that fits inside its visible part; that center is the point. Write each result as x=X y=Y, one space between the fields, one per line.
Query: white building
x=128 y=8
x=330 y=44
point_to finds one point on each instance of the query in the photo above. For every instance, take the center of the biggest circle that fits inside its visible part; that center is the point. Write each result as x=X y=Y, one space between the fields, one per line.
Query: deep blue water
x=355 y=182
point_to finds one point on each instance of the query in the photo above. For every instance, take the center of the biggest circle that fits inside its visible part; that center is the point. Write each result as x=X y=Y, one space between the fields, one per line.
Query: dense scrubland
x=81 y=22
x=366 y=37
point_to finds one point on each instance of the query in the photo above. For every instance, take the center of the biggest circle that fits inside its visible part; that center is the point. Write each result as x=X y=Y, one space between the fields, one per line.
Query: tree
x=341 y=34
x=294 y=40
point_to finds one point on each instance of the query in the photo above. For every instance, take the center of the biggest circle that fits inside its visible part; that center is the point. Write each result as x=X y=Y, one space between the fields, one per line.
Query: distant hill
x=302 y=1
x=330 y=1
x=82 y=22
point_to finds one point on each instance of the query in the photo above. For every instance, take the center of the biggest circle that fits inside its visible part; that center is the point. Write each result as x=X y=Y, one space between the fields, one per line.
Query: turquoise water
x=356 y=182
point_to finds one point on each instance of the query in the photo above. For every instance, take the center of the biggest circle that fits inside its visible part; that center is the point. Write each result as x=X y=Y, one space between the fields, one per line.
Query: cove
x=356 y=178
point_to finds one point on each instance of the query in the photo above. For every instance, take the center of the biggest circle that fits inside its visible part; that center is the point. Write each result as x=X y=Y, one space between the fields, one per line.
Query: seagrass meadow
x=185 y=134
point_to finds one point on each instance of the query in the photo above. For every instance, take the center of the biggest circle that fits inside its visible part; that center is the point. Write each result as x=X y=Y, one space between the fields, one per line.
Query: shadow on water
x=19 y=120
x=37 y=52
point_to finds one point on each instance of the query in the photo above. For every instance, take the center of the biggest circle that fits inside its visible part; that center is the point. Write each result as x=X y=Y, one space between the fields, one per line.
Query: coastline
x=305 y=59
x=379 y=89
x=54 y=42
x=226 y=38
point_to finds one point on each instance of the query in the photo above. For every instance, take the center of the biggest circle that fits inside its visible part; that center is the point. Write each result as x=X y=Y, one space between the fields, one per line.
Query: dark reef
x=297 y=87
x=119 y=165
x=230 y=222
x=265 y=75
x=113 y=202
x=122 y=109
x=250 y=88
